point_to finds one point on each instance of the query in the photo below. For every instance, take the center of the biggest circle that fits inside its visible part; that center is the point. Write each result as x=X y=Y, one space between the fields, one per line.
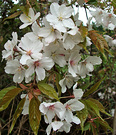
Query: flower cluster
x=57 y=43
x=107 y=20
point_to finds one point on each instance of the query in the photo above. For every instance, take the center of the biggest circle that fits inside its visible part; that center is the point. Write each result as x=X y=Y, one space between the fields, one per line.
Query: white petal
x=29 y=71
x=68 y=116
x=50 y=115
x=42 y=108
x=40 y=73
x=54 y=9
x=48 y=130
x=94 y=60
x=24 y=58
x=60 y=27
x=89 y=67
x=78 y=93
x=76 y=105
x=76 y=120
x=36 y=16
x=68 y=23
x=32 y=36
x=66 y=12
x=44 y=32
x=47 y=63
x=66 y=127
x=52 y=19
x=56 y=125
x=24 y=18
x=18 y=77
x=31 y=13
x=51 y=37
x=62 y=84
x=24 y=25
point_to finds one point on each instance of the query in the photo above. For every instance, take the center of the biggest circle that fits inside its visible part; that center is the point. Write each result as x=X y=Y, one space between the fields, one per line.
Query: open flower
x=71 y=106
x=29 y=49
x=87 y=65
x=52 y=109
x=59 y=17
x=56 y=52
x=38 y=66
x=9 y=46
x=28 y=19
x=68 y=81
x=14 y=67
x=49 y=33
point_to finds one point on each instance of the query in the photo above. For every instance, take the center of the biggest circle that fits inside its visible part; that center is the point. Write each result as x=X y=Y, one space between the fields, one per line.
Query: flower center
x=52 y=29
x=100 y=12
x=51 y=107
x=110 y=15
x=36 y=63
x=72 y=63
x=60 y=18
x=19 y=69
x=29 y=52
x=68 y=107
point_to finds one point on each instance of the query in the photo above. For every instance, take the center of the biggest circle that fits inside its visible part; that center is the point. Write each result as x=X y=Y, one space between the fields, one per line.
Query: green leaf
x=83 y=30
x=82 y=115
x=5 y=90
x=48 y=90
x=13 y=15
x=104 y=124
x=58 y=78
x=8 y=97
x=87 y=126
x=34 y=114
x=3 y=107
x=17 y=113
x=90 y=104
x=100 y=106
x=85 y=86
x=25 y=9
x=83 y=45
x=93 y=88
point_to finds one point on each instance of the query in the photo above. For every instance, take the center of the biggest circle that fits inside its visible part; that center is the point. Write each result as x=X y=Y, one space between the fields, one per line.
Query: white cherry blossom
x=71 y=106
x=14 y=67
x=87 y=65
x=39 y=67
x=111 y=42
x=56 y=52
x=68 y=81
x=65 y=127
x=69 y=40
x=49 y=33
x=52 y=109
x=59 y=17
x=28 y=19
x=9 y=46
x=29 y=49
